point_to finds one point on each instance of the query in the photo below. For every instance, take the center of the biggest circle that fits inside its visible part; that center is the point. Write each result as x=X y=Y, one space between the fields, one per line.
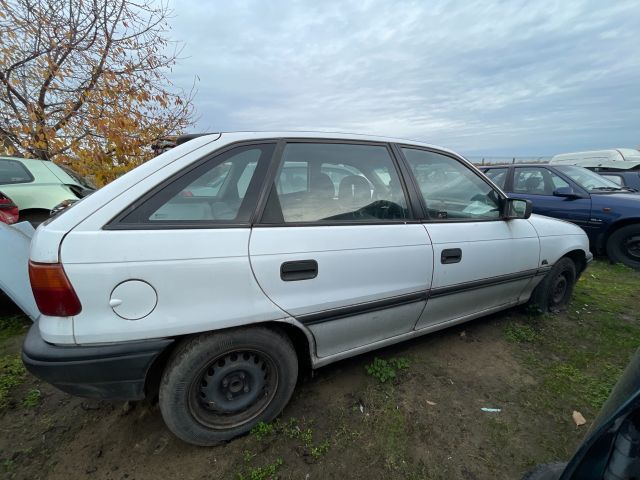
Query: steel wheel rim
x=559 y=289
x=632 y=247
x=233 y=389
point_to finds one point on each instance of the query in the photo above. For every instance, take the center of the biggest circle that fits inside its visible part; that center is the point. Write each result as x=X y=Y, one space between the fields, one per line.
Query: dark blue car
x=609 y=213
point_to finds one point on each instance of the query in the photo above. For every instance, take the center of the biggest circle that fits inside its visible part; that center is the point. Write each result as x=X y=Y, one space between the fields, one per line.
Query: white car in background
x=39 y=186
x=224 y=264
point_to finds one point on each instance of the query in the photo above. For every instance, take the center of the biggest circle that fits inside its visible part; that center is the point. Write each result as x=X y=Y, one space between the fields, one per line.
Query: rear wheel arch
x=301 y=340
x=219 y=384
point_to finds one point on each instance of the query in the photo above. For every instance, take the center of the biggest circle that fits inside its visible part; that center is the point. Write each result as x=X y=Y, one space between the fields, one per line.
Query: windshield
x=78 y=178
x=589 y=180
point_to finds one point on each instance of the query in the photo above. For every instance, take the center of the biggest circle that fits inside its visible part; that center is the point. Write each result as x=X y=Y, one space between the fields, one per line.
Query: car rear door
x=482 y=263
x=337 y=246
x=175 y=259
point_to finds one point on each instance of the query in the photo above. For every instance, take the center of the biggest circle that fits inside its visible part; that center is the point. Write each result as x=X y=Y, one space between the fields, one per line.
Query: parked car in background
x=621 y=166
x=624 y=178
x=289 y=249
x=594 y=158
x=8 y=210
x=608 y=213
x=37 y=186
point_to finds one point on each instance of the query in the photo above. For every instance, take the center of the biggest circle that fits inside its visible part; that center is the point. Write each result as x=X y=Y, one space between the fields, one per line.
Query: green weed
x=32 y=398
x=521 y=333
x=262 y=473
x=12 y=373
x=261 y=430
x=385 y=370
x=13 y=325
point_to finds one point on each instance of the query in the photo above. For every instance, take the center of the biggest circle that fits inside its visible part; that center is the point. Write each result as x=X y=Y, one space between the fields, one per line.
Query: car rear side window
x=219 y=190
x=333 y=182
x=12 y=171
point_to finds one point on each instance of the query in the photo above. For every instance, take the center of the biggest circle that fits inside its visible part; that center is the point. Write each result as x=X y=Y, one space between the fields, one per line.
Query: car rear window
x=12 y=171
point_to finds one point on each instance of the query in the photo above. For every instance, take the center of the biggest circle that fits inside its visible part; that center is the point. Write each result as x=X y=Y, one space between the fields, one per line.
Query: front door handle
x=451 y=255
x=299 y=270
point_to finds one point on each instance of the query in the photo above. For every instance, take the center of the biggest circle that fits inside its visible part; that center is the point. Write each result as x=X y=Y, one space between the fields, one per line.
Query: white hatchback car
x=219 y=267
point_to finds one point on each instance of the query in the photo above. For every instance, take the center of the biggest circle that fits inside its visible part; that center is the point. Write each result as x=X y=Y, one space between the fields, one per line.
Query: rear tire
x=554 y=292
x=217 y=386
x=624 y=246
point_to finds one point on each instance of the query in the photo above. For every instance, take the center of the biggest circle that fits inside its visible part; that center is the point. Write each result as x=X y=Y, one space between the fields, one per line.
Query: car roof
x=326 y=135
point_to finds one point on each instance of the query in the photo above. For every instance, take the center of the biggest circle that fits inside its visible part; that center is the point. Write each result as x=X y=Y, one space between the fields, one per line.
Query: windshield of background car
x=12 y=171
x=587 y=179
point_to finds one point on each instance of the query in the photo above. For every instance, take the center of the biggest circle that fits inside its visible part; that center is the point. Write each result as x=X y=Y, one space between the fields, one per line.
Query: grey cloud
x=481 y=77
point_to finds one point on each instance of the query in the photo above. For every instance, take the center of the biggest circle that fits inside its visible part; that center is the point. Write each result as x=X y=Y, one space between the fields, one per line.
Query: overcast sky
x=481 y=77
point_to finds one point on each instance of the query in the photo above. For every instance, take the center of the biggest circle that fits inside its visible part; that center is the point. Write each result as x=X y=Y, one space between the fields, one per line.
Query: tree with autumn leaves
x=83 y=82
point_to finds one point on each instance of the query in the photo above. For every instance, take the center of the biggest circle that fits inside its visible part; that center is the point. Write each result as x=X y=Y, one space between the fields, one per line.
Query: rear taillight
x=9 y=209
x=52 y=290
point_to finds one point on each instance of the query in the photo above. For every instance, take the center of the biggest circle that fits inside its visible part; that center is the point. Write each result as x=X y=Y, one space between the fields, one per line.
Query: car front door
x=538 y=184
x=482 y=262
x=337 y=246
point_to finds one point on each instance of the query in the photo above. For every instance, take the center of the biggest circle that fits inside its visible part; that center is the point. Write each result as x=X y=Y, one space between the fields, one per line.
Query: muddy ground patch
x=423 y=421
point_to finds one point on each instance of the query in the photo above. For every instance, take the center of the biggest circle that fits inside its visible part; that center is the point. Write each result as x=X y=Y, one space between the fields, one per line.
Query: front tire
x=554 y=292
x=219 y=385
x=624 y=246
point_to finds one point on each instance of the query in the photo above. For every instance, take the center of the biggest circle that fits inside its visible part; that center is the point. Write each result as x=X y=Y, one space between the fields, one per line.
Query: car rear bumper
x=114 y=371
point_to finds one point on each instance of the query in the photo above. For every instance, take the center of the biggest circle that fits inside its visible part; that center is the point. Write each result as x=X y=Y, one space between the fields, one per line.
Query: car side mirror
x=566 y=192
x=516 y=208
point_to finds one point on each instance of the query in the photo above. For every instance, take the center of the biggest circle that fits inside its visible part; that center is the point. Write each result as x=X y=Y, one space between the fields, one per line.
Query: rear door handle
x=299 y=270
x=451 y=255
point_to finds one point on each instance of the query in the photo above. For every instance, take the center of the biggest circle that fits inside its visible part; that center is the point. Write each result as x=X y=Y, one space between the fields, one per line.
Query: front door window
x=450 y=189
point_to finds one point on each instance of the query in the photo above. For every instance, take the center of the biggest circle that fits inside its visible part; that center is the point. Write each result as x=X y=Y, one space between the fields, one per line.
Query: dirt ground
x=426 y=422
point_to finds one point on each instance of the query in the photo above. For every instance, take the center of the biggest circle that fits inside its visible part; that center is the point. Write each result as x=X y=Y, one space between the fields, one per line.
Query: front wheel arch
x=613 y=250
x=554 y=291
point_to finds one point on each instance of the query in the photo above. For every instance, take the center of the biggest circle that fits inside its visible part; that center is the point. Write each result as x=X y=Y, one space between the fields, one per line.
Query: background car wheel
x=220 y=385
x=624 y=246
x=549 y=471
x=553 y=293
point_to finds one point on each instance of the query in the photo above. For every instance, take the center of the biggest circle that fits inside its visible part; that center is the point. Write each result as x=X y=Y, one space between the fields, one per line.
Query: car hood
x=631 y=199
x=14 y=258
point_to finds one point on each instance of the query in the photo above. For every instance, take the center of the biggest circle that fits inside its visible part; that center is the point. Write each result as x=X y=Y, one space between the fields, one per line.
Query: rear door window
x=332 y=182
x=12 y=171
